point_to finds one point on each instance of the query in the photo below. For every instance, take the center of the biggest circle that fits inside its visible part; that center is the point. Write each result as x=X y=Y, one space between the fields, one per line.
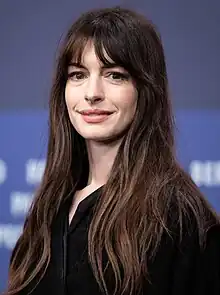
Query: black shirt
x=176 y=270
x=79 y=273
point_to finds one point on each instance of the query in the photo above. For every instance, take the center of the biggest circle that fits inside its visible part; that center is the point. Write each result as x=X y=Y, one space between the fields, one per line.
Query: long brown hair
x=145 y=181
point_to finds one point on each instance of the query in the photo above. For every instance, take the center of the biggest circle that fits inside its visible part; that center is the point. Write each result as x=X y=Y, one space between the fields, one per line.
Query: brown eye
x=118 y=76
x=76 y=76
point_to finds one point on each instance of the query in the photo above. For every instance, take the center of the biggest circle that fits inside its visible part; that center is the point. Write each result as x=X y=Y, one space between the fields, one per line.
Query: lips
x=95 y=115
x=95 y=112
x=94 y=118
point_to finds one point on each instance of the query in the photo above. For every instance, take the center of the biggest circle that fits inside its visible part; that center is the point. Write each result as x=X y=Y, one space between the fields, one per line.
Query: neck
x=101 y=158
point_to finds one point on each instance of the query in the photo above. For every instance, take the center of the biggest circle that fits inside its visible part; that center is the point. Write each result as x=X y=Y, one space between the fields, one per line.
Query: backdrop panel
x=30 y=36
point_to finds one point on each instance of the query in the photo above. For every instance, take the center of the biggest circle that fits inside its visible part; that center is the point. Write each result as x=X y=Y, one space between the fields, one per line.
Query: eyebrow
x=106 y=66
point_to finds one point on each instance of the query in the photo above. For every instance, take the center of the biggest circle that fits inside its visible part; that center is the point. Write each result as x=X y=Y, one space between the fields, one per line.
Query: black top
x=176 y=270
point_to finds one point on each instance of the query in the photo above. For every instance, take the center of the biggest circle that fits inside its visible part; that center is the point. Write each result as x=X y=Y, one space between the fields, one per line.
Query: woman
x=115 y=213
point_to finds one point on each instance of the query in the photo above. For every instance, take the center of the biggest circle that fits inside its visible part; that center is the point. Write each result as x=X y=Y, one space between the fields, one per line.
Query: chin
x=104 y=138
x=96 y=137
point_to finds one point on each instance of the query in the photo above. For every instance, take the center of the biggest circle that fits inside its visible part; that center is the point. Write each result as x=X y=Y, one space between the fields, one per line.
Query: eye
x=118 y=76
x=76 y=76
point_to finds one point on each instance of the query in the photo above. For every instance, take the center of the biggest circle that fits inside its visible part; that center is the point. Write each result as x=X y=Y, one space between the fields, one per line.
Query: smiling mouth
x=95 y=118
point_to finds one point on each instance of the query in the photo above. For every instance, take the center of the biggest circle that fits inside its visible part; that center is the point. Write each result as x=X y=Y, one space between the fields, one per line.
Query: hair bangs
x=109 y=50
x=110 y=45
x=75 y=49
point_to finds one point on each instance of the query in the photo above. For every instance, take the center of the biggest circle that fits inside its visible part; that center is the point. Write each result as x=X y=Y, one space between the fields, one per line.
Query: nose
x=94 y=90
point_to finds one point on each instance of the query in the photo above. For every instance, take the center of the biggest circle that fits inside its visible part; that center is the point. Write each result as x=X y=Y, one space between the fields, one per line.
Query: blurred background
x=30 y=35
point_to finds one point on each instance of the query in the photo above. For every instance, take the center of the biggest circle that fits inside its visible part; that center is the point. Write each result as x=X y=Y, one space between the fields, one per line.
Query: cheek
x=70 y=97
x=128 y=101
x=67 y=97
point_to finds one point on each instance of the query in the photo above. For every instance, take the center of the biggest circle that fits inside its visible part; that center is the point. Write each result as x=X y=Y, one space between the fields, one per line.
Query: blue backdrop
x=31 y=31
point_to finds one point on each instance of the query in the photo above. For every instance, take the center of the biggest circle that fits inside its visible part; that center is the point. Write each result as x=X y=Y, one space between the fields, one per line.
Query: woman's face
x=91 y=86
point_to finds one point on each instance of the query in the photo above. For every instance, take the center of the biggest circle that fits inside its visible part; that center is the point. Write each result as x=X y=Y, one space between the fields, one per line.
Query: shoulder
x=195 y=267
x=193 y=222
x=212 y=242
x=197 y=239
